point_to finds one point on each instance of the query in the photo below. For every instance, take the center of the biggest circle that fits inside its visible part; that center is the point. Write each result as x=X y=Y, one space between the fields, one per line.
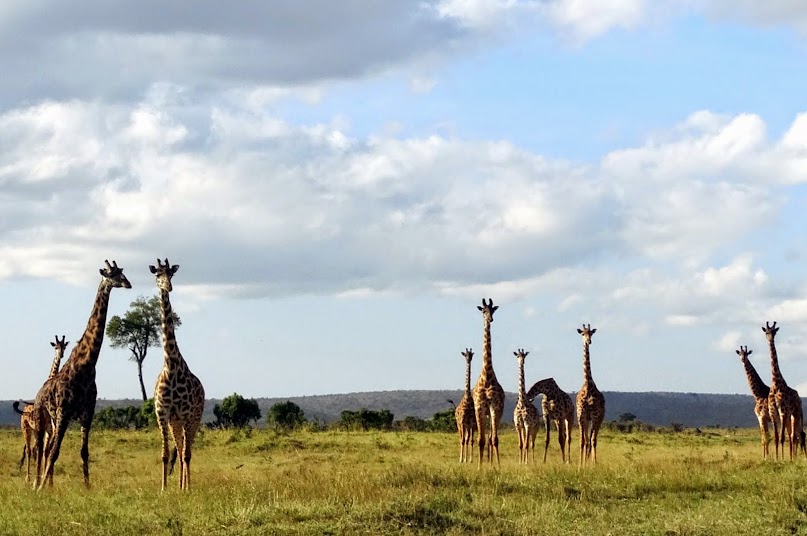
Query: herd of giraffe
x=69 y=394
x=487 y=400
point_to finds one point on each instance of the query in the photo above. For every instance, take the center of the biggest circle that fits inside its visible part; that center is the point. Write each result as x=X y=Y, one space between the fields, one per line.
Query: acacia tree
x=138 y=330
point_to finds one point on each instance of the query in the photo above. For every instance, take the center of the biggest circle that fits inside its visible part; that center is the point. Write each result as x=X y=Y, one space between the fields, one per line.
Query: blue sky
x=342 y=186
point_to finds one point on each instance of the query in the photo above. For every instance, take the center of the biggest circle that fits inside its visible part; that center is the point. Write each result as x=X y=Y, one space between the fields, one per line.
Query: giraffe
x=590 y=403
x=784 y=404
x=558 y=407
x=71 y=393
x=28 y=423
x=525 y=416
x=465 y=415
x=488 y=394
x=179 y=397
x=761 y=393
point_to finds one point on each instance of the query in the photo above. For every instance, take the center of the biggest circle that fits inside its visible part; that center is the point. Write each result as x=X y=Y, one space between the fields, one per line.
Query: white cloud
x=729 y=342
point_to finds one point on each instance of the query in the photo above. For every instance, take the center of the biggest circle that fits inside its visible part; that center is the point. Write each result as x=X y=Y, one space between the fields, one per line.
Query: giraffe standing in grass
x=465 y=414
x=28 y=423
x=761 y=393
x=558 y=407
x=179 y=398
x=525 y=416
x=590 y=404
x=784 y=404
x=488 y=394
x=71 y=393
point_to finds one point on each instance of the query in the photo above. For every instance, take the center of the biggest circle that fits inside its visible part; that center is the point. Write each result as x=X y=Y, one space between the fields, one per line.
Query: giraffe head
x=586 y=332
x=487 y=309
x=521 y=355
x=468 y=354
x=164 y=273
x=744 y=352
x=114 y=276
x=60 y=345
x=770 y=331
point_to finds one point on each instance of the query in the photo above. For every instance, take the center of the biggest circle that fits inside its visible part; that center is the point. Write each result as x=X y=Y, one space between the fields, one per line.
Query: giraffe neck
x=85 y=352
x=758 y=388
x=173 y=359
x=588 y=380
x=487 y=357
x=777 y=378
x=468 y=379
x=57 y=359
x=522 y=396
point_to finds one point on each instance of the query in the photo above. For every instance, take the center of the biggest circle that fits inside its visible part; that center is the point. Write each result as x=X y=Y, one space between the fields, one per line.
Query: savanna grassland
x=409 y=483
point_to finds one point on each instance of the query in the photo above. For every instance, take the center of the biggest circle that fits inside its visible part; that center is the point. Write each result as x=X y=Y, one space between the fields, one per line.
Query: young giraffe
x=28 y=423
x=71 y=393
x=761 y=393
x=488 y=394
x=179 y=397
x=525 y=416
x=590 y=403
x=465 y=415
x=784 y=404
x=558 y=407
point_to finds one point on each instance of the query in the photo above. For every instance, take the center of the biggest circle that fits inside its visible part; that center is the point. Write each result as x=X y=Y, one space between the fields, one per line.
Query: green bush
x=235 y=411
x=285 y=416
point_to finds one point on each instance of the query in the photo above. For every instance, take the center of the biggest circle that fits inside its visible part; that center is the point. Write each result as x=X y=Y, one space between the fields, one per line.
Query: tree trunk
x=140 y=376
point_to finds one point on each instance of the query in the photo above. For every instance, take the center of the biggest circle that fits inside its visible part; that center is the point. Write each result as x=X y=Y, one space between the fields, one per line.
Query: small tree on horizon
x=236 y=411
x=285 y=416
x=138 y=330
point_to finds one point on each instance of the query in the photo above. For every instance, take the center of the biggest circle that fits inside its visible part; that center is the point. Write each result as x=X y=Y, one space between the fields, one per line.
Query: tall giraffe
x=488 y=394
x=179 y=397
x=28 y=423
x=465 y=415
x=525 y=416
x=558 y=407
x=761 y=393
x=590 y=403
x=71 y=393
x=784 y=404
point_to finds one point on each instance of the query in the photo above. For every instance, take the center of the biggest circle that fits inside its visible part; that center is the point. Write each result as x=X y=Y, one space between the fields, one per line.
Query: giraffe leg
x=164 y=452
x=546 y=436
x=85 y=453
x=59 y=429
x=481 y=425
x=494 y=436
x=763 y=432
x=561 y=439
x=179 y=440
x=469 y=451
x=775 y=423
x=190 y=435
x=594 y=435
x=568 y=434
x=583 y=436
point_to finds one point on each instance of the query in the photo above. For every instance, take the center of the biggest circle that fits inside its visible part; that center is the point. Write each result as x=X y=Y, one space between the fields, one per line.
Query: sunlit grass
x=409 y=483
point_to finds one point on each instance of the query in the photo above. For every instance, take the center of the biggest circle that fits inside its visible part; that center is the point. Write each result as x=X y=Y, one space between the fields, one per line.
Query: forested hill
x=658 y=408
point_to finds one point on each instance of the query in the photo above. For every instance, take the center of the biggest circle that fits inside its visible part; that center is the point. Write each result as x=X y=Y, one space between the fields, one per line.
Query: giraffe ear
x=53 y=344
x=102 y=272
x=494 y=308
x=593 y=331
x=580 y=331
x=152 y=269
x=174 y=268
x=763 y=328
x=738 y=352
x=750 y=352
x=479 y=307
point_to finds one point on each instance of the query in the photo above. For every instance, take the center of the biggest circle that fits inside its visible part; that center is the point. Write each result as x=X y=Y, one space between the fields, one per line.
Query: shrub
x=235 y=411
x=285 y=416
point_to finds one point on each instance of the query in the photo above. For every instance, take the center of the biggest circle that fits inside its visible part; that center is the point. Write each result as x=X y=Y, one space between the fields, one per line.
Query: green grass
x=409 y=483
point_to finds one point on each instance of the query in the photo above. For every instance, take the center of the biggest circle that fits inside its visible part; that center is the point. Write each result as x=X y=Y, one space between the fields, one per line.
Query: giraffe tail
x=16 y=405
